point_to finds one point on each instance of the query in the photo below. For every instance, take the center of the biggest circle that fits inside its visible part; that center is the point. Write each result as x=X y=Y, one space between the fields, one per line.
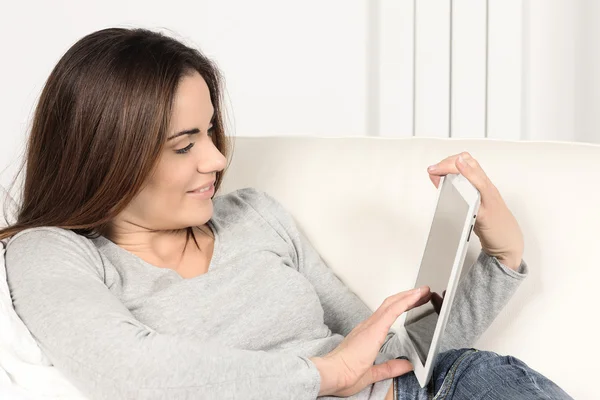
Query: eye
x=210 y=130
x=185 y=149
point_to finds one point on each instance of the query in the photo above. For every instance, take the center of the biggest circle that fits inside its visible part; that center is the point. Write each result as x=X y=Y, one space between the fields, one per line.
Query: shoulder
x=247 y=195
x=250 y=198
x=51 y=246
x=250 y=201
x=46 y=236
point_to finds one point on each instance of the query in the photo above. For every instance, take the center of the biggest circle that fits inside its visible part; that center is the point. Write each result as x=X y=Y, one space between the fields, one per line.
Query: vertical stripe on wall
x=432 y=68
x=468 y=69
x=396 y=52
x=373 y=61
x=506 y=94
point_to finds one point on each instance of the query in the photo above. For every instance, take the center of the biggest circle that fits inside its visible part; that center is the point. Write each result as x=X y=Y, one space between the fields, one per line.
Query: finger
x=376 y=373
x=464 y=164
x=424 y=300
x=436 y=301
x=387 y=370
x=435 y=179
x=399 y=296
x=444 y=167
x=408 y=303
x=397 y=304
x=470 y=169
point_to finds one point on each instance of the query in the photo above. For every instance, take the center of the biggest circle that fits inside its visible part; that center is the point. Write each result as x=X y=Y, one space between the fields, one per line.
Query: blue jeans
x=462 y=374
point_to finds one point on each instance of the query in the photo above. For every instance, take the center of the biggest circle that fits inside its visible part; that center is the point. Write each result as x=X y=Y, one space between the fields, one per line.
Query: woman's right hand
x=349 y=367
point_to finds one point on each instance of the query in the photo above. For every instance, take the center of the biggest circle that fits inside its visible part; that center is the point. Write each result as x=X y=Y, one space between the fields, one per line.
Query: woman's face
x=188 y=162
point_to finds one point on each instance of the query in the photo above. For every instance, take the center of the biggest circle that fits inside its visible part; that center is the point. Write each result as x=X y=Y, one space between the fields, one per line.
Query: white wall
x=451 y=68
x=290 y=67
x=504 y=69
x=561 y=60
x=587 y=81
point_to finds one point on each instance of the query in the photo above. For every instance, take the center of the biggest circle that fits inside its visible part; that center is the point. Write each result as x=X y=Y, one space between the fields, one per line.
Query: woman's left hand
x=496 y=226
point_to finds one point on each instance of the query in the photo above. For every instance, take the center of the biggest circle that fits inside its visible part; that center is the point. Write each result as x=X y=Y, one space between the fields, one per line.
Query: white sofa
x=365 y=204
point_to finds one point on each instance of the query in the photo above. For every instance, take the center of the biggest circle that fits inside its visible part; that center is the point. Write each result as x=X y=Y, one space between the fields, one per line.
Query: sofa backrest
x=366 y=205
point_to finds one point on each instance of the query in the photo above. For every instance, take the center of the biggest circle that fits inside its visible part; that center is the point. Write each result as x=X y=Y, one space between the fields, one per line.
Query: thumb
x=470 y=169
x=463 y=167
x=389 y=369
x=379 y=372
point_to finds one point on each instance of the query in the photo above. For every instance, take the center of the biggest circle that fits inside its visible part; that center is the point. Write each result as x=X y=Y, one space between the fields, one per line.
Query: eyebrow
x=186 y=132
x=189 y=131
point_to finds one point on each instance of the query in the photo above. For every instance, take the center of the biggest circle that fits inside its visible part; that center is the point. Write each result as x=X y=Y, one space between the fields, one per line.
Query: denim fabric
x=462 y=374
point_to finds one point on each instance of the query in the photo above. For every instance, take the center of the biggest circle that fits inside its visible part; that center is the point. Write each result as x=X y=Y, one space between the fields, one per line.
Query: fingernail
x=417 y=292
x=432 y=167
x=461 y=160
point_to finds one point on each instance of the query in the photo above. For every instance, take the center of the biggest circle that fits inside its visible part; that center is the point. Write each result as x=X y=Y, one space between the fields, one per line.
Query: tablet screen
x=436 y=266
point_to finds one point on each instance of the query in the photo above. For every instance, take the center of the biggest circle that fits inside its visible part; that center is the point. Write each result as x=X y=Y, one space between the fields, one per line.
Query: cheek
x=174 y=174
x=172 y=188
x=167 y=189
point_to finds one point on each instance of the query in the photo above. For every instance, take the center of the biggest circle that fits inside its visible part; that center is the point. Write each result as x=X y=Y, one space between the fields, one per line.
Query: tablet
x=453 y=220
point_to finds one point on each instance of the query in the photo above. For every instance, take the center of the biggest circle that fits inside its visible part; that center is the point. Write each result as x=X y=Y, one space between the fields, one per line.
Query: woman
x=138 y=283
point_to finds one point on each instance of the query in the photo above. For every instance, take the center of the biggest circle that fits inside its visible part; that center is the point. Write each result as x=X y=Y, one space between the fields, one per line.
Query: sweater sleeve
x=57 y=287
x=481 y=294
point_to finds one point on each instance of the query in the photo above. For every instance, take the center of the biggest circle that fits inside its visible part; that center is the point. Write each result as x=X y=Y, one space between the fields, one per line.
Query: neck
x=161 y=248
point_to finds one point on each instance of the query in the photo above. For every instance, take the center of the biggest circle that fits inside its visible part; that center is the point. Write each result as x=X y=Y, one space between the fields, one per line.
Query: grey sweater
x=121 y=328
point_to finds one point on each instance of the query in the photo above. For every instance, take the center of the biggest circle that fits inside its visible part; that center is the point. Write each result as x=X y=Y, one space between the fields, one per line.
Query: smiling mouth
x=204 y=188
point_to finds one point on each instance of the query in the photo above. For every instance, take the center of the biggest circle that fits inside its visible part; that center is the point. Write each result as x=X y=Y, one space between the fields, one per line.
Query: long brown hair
x=100 y=125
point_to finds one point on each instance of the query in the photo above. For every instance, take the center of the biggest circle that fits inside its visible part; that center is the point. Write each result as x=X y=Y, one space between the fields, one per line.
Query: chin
x=201 y=217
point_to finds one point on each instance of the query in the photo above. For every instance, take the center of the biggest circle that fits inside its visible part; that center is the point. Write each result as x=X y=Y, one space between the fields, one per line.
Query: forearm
x=481 y=295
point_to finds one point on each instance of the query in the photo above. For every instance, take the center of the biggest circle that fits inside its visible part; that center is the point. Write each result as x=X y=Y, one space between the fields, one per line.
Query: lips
x=206 y=185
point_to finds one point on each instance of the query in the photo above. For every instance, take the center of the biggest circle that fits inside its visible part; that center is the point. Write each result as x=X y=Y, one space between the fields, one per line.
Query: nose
x=211 y=159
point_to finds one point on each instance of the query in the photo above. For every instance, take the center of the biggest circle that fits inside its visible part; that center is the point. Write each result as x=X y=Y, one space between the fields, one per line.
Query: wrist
x=329 y=382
